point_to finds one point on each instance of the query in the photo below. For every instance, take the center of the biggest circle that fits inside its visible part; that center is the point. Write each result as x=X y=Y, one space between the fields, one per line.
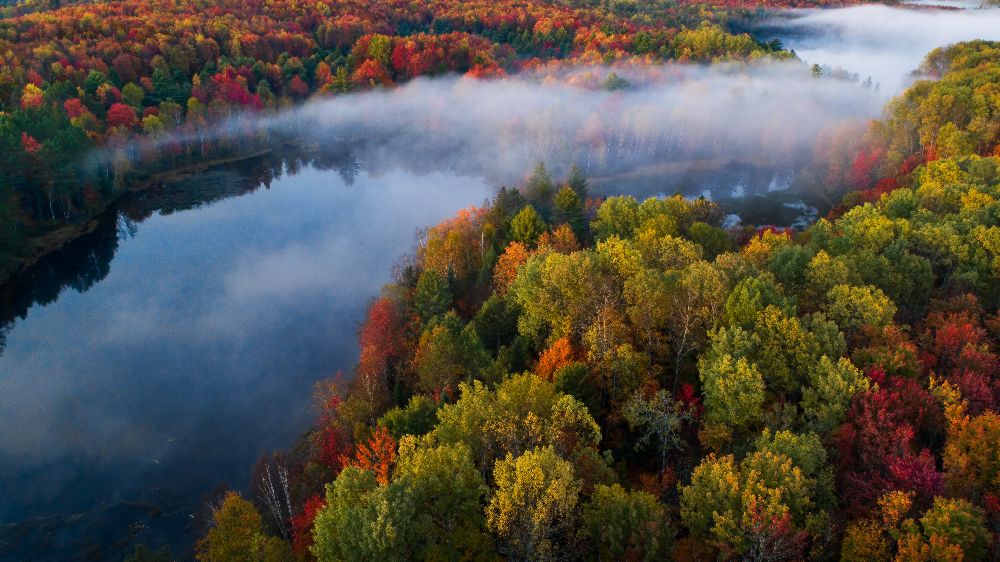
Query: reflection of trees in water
x=78 y=265
x=84 y=262
x=349 y=171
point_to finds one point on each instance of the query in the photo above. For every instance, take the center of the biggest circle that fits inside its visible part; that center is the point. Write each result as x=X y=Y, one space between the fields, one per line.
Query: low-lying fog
x=765 y=116
x=885 y=43
x=723 y=131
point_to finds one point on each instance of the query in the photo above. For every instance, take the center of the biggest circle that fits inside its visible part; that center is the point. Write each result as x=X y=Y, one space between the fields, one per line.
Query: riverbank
x=50 y=242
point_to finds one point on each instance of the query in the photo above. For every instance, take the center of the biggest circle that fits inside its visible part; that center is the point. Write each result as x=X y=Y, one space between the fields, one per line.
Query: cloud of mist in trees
x=679 y=123
x=883 y=42
x=769 y=115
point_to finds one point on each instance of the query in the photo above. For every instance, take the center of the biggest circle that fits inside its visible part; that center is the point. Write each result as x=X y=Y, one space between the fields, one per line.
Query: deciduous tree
x=534 y=509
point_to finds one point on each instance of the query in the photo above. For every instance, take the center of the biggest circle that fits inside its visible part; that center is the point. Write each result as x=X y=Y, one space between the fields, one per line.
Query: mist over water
x=885 y=43
x=764 y=116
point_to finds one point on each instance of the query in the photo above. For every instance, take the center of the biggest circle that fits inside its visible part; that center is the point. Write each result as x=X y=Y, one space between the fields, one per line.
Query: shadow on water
x=79 y=266
x=85 y=261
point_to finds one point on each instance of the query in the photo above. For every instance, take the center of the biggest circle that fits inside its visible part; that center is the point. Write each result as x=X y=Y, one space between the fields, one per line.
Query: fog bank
x=886 y=43
x=767 y=116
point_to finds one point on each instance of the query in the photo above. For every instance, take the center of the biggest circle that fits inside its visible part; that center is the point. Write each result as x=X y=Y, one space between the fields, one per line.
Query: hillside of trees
x=104 y=74
x=553 y=376
x=952 y=112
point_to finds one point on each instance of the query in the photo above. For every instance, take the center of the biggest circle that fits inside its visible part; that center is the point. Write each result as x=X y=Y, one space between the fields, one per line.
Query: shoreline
x=51 y=242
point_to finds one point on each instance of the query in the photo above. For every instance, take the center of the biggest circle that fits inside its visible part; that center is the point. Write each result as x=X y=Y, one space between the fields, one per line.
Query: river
x=152 y=361
x=184 y=346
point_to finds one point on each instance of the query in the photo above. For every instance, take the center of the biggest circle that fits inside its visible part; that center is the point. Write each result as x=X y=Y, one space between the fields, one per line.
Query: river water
x=192 y=348
x=155 y=359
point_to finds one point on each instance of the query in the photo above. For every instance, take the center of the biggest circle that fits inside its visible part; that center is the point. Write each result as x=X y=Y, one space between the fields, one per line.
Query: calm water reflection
x=189 y=346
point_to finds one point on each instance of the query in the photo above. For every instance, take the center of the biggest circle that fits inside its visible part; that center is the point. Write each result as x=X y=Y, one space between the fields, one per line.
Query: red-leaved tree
x=378 y=455
x=302 y=525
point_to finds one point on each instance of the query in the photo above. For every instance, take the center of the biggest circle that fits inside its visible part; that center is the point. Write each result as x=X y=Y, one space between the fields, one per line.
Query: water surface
x=193 y=349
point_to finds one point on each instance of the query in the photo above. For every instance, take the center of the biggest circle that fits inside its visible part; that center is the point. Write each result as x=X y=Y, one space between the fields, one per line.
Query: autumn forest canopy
x=557 y=374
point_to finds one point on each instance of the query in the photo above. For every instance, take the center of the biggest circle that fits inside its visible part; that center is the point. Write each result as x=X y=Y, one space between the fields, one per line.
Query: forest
x=106 y=74
x=556 y=376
